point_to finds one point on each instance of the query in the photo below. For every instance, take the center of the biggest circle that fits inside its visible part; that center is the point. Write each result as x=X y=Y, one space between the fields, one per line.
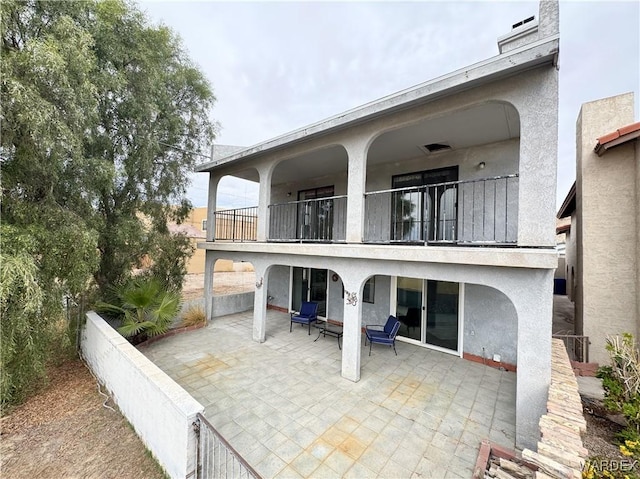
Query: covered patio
x=285 y=408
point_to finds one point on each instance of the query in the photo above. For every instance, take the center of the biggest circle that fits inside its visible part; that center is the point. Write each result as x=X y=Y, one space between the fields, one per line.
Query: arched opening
x=450 y=178
x=308 y=197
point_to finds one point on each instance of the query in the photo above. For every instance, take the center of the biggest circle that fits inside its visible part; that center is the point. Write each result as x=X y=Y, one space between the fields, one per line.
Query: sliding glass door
x=308 y=284
x=428 y=311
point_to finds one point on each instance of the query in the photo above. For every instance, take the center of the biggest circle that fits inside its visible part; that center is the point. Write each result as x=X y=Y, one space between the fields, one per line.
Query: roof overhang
x=618 y=137
x=530 y=56
x=569 y=203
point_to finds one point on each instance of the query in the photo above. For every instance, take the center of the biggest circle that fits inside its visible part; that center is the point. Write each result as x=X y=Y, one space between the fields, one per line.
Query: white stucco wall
x=160 y=411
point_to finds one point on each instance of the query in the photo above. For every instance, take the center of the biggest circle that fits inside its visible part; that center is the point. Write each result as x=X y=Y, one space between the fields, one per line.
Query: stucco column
x=534 y=305
x=264 y=198
x=260 y=303
x=538 y=165
x=209 y=262
x=357 y=174
x=211 y=206
x=352 y=338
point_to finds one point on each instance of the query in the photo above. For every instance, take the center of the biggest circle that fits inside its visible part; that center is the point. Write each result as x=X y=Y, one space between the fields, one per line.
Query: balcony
x=238 y=224
x=319 y=220
x=472 y=212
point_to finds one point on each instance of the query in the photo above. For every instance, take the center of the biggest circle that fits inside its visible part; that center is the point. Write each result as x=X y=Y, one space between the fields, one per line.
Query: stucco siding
x=607 y=217
x=490 y=324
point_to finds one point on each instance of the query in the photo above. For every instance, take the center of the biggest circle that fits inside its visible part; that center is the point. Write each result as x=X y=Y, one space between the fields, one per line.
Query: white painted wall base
x=160 y=411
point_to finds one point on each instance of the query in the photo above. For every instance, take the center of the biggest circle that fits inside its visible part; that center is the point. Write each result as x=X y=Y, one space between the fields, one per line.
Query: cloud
x=278 y=66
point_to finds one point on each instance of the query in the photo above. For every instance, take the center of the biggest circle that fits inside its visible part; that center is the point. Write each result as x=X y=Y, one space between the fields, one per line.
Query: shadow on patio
x=285 y=408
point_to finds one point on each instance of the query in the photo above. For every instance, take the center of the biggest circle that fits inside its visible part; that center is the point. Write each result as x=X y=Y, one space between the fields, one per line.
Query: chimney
x=523 y=32
x=531 y=28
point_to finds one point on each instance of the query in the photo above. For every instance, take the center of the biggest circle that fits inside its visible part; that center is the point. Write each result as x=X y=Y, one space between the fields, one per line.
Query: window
x=368 y=292
x=426 y=207
x=204 y=225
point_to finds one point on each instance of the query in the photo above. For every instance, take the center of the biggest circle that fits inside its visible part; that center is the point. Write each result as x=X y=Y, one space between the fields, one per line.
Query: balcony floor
x=285 y=408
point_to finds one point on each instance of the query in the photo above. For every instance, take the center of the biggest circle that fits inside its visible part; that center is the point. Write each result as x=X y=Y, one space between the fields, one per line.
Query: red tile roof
x=618 y=137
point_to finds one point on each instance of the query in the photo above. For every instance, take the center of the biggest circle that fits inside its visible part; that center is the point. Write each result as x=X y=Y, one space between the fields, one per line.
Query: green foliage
x=92 y=97
x=25 y=333
x=170 y=254
x=621 y=382
x=144 y=308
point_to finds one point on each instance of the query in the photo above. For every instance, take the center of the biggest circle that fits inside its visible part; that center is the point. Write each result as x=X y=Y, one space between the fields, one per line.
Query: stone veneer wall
x=560 y=450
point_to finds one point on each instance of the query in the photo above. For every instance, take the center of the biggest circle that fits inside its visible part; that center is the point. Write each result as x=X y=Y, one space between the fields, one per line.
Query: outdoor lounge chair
x=307 y=315
x=386 y=335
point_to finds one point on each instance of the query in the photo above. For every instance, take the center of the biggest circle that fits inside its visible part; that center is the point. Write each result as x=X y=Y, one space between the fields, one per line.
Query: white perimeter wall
x=160 y=411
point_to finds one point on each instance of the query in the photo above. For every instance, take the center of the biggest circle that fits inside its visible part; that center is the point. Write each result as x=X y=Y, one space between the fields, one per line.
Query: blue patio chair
x=386 y=335
x=307 y=315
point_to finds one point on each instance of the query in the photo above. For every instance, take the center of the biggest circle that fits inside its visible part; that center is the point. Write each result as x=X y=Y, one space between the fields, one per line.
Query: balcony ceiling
x=480 y=125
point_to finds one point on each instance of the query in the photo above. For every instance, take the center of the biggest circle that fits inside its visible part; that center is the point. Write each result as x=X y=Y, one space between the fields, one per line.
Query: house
x=603 y=241
x=435 y=204
x=240 y=223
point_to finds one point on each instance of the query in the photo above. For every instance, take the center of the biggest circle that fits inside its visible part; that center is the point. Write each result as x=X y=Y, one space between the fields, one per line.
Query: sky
x=278 y=66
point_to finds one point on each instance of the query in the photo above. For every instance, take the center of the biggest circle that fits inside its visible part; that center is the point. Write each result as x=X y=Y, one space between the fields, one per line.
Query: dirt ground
x=223 y=283
x=65 y=432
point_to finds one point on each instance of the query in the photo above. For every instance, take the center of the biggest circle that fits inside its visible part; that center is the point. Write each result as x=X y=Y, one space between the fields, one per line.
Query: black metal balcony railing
x=483 y=211
x=470 y=212
x=238 y=224
x=316 y=220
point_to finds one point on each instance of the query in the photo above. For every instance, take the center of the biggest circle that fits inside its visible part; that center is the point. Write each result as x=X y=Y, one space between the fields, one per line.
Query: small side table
x=331 y=329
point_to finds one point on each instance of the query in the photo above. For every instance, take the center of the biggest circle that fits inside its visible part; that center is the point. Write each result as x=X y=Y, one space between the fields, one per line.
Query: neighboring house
x=603 y=242
x=195 y=227
x=435 y=204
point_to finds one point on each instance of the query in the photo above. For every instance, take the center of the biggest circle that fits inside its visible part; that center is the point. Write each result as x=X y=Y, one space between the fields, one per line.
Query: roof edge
x=618 y=137
x=528 y=56
x=569 y=203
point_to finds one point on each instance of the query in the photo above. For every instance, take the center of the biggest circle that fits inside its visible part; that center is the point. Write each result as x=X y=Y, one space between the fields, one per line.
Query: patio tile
x=288 y=451
x=289 y=473
x=320 y=449
x=339 y=462
x=305 y=464
x=323 y=472
x=420 y=414
x=270 y=466
x=374 y=459
x=359 y=471
x=393 y=469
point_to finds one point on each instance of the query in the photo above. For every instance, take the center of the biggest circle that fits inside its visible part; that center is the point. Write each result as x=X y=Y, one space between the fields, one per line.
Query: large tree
x=100 y=114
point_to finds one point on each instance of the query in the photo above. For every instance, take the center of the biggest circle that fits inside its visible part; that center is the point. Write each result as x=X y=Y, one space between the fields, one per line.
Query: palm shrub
x=144 y=308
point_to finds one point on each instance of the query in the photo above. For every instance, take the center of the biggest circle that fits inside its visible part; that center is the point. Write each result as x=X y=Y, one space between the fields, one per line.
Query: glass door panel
x=315 y=218
x=299 y=287
x=409 y=307
x=318 y=290
x=442 y=314
x=309 y=285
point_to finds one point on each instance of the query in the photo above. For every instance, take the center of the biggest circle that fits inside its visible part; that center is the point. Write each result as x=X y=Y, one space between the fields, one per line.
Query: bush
x=144 y=309
x=621 y=382
x=194 y=316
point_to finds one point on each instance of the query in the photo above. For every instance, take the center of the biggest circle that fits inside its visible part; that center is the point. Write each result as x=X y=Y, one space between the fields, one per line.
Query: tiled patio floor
x=284 y=406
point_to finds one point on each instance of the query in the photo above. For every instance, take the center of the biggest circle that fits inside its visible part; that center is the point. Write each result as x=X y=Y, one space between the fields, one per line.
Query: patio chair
x=386 y=335
x=307 y=315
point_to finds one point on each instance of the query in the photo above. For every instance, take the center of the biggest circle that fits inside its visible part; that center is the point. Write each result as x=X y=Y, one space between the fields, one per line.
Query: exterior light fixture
x=481 y=165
